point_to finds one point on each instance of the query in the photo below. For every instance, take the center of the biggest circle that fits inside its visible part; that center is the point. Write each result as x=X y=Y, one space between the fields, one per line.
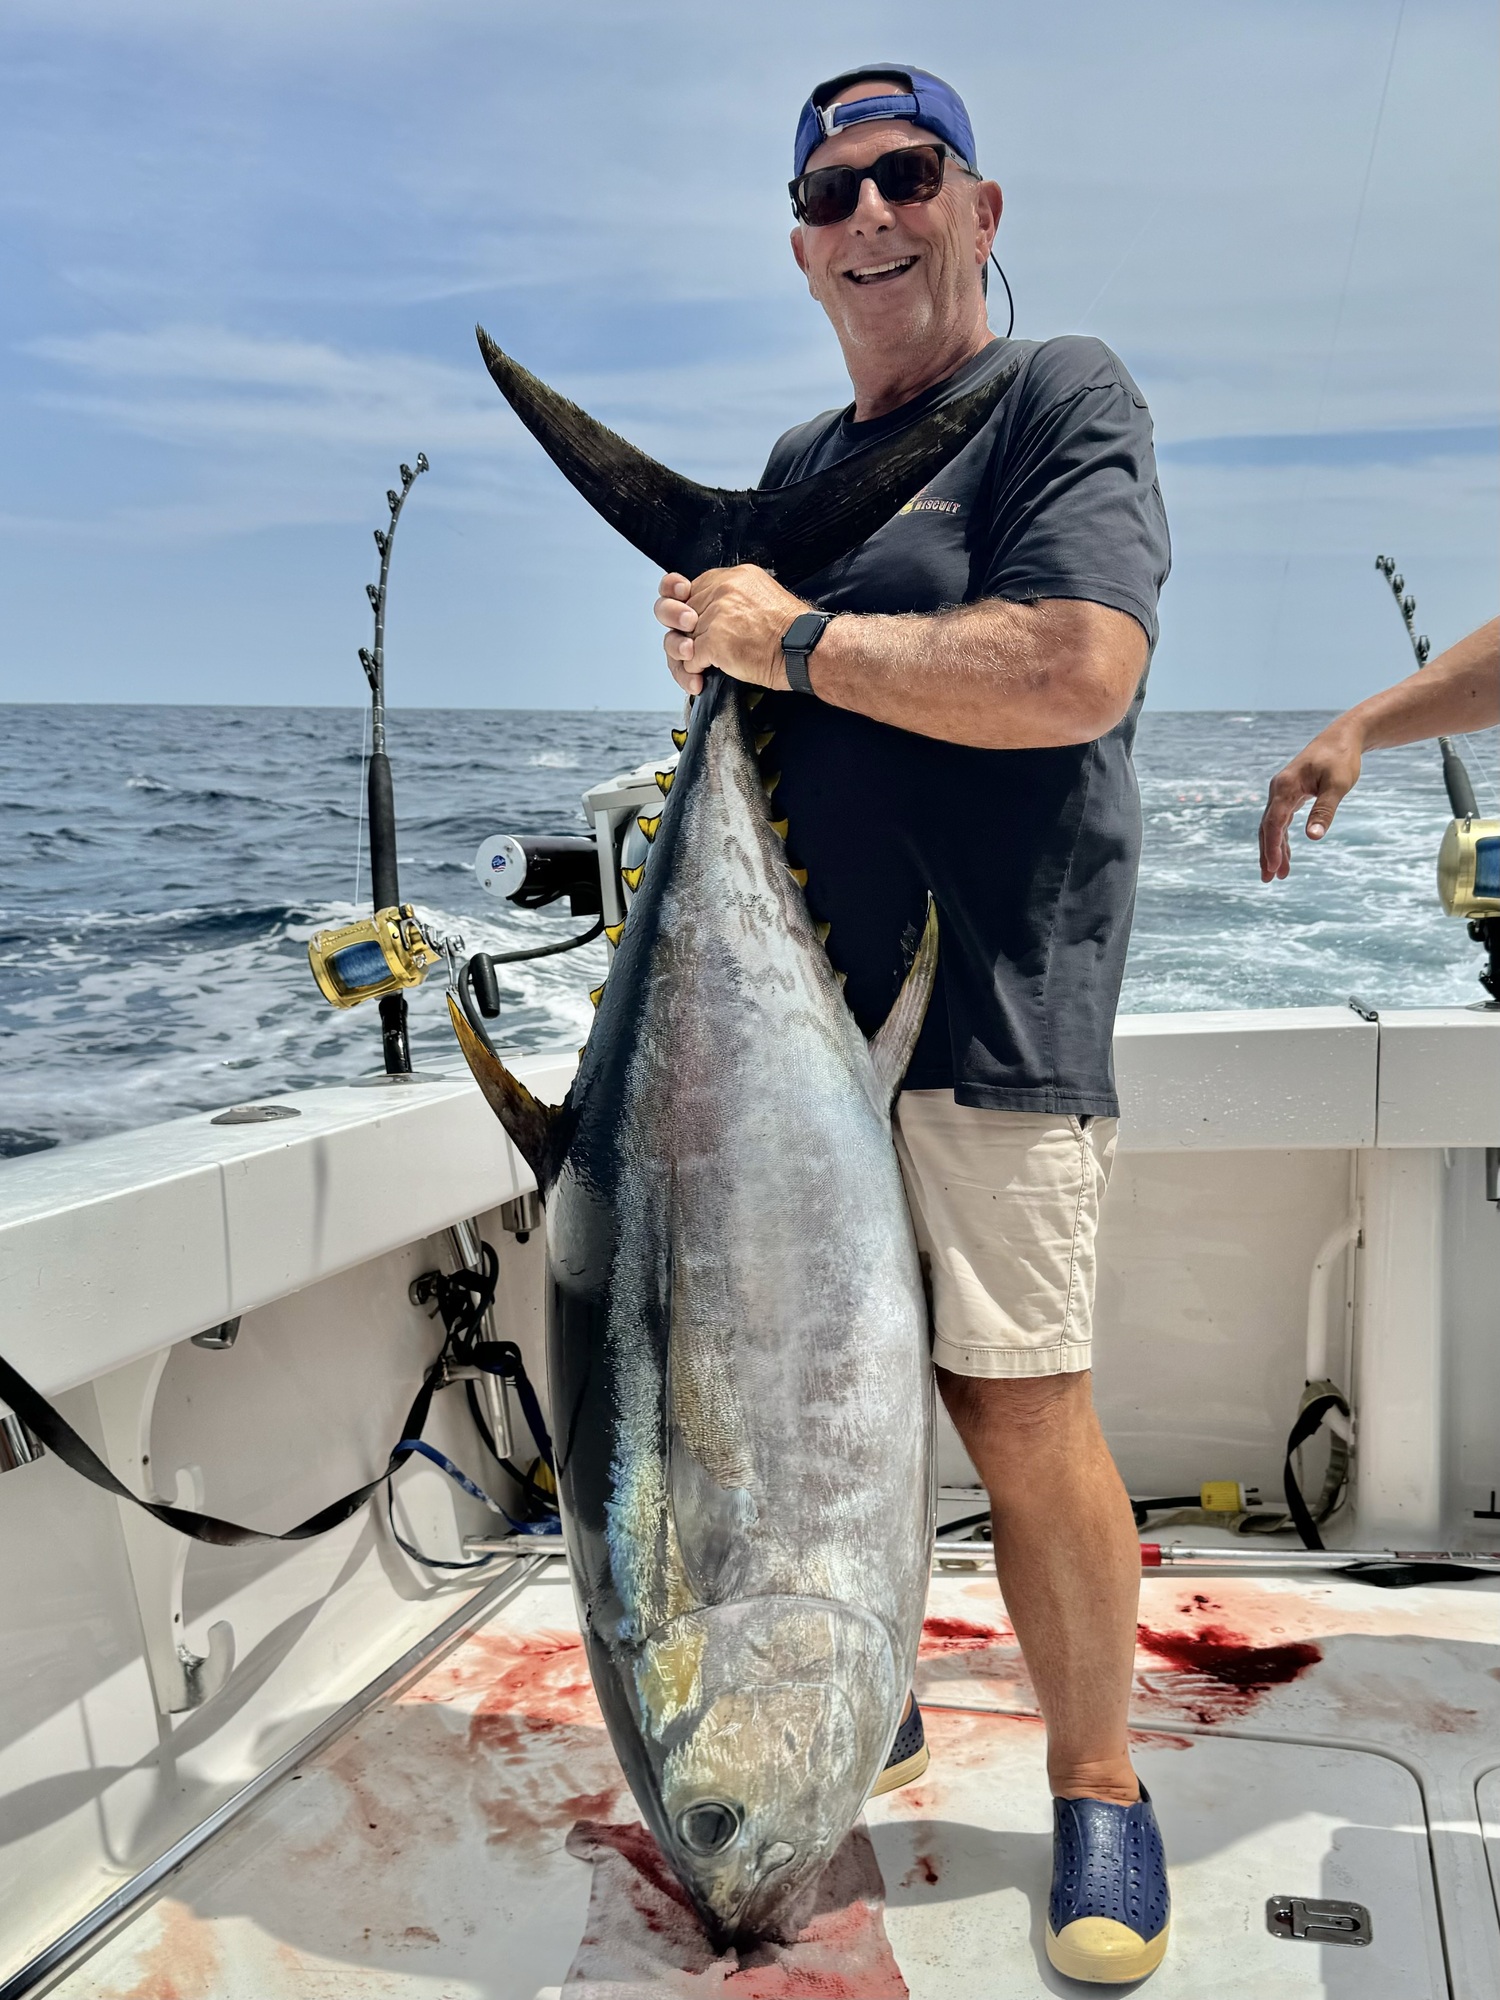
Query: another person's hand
x=1459 y=690
x=732 y=619
x=1323 y=772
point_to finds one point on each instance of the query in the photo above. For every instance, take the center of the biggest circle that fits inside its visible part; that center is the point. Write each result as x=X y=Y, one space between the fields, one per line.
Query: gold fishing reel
x=1468 y=868
x=374 y=956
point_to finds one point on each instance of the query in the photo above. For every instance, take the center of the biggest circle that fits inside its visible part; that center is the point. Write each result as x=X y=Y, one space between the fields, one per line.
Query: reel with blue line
x=373 y=956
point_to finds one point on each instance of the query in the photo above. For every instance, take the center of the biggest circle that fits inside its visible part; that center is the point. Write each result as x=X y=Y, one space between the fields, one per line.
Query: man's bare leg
x=1068 y=1559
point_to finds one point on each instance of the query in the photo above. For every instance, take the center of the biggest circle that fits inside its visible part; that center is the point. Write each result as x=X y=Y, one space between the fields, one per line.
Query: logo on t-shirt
x=925 y=503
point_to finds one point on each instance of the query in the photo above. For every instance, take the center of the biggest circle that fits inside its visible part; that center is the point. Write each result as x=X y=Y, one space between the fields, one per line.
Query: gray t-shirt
x=1030 y=854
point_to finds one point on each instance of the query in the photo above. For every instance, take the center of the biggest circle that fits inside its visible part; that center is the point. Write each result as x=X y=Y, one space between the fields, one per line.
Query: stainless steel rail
x=1207 y=1560
x=1211 y=1561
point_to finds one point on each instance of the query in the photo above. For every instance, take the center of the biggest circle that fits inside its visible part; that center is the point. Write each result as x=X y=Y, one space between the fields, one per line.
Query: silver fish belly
x=738 y=1358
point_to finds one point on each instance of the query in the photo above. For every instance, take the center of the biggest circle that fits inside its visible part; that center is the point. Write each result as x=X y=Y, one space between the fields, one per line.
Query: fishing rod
x=1468 y=867
x=1456 y=778
x=380 y=956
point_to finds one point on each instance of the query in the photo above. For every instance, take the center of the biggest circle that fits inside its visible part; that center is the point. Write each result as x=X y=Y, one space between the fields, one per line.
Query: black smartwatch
x=798 y=640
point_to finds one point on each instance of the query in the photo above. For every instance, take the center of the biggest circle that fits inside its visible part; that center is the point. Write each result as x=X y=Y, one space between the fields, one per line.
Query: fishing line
x=359 y=833
x=1338 y=326
x=1135 y=243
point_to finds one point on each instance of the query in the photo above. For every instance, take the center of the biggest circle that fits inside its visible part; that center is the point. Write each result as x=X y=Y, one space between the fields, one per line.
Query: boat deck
x=1313 y=1738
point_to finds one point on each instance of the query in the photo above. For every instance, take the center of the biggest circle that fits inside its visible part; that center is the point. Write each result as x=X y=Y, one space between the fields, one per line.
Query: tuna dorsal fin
x=893 y=1041
x=529 y=1124
x=793 y=530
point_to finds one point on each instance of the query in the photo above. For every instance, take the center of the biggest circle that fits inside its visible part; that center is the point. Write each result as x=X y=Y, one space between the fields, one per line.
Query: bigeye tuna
x=737 y=1351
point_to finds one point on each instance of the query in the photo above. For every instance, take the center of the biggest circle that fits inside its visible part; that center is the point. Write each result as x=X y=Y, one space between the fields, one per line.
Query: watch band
x=798 y=640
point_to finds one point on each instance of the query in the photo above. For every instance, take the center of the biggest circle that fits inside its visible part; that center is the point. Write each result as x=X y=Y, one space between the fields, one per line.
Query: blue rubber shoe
x=1107 y=1921
x=909 y=1756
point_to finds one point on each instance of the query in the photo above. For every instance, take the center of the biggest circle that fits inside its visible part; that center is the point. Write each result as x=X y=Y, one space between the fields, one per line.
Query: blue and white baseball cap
x=926 y=101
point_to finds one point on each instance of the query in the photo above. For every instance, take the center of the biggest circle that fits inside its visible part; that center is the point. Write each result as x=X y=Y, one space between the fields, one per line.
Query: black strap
x=1309 y=1420
x=503 y=1357
x=463 y=1298
x=59 y=1436
x=1405 y=1576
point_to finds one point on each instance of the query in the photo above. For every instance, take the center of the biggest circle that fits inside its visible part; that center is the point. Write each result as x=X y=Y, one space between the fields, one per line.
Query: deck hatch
x=1317 y=1922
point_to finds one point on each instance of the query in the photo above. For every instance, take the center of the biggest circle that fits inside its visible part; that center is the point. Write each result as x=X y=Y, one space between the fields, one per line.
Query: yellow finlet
x=597 y=995
x=664 y=781
x=631 y=877
x=781 y=828
x=799 y=876
x=822 y=931
x=754 y=696
x=843 y=980
x=771 y=783
x=614 y=932
x=765 y=737
x=649 y=827
x=679 y=737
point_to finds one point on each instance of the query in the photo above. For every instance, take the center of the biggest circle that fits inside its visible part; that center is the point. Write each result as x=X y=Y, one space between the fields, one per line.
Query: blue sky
x=244 y=248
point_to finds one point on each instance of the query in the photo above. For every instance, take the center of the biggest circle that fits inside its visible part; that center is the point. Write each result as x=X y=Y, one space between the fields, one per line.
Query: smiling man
x=953 y=708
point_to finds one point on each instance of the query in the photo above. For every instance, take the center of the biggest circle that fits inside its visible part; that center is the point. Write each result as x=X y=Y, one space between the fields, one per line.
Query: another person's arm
x=995 y=675
x=1460 y=690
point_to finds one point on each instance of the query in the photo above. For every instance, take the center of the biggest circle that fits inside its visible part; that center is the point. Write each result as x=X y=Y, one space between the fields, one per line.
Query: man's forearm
x=995 y=675
x=1460 y=690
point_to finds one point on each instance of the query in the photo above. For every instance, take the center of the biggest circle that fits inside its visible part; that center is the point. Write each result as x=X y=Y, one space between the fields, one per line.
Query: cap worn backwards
x=926 y=101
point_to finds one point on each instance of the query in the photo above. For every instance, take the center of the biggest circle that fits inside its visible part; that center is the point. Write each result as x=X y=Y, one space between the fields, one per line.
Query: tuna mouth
x=778 y=1904
x=880 y=274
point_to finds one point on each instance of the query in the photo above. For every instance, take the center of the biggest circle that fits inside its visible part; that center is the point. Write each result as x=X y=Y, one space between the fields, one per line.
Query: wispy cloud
x=210 y=386
x=304 y=420
x=1413 y=445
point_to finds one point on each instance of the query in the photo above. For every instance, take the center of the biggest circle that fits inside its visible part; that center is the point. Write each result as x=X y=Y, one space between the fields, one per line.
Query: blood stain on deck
x=960 y=1649
x=538 y=1730
x=543 y=1675
x=642 y=1932
x=1219 y=1674
x=182 y=1964
x=942 y=1636
x=511 y=1722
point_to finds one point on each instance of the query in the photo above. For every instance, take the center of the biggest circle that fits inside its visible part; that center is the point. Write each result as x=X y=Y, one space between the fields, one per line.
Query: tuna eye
x=708 y=1827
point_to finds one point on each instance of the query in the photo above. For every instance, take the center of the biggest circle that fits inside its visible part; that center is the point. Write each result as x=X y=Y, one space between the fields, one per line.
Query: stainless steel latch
x=1317 y=1921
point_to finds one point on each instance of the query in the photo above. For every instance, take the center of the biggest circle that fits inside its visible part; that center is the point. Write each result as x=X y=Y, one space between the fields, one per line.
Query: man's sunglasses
x=910 y=173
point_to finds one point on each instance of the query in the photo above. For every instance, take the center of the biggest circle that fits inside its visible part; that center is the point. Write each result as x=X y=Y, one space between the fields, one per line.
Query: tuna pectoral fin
x=894 y=1040
x=529 y=1124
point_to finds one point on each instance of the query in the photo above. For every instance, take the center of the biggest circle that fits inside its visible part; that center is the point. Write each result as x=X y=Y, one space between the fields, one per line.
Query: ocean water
x=161 y=870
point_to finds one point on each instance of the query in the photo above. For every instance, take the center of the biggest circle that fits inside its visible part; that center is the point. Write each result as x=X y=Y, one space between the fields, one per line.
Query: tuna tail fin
x=793 y=530
x=668 y=518
x=529 y=1124
x=893 y=1042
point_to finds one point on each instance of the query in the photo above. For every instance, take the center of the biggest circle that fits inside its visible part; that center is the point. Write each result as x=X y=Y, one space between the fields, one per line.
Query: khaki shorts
x=1006 y=1209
